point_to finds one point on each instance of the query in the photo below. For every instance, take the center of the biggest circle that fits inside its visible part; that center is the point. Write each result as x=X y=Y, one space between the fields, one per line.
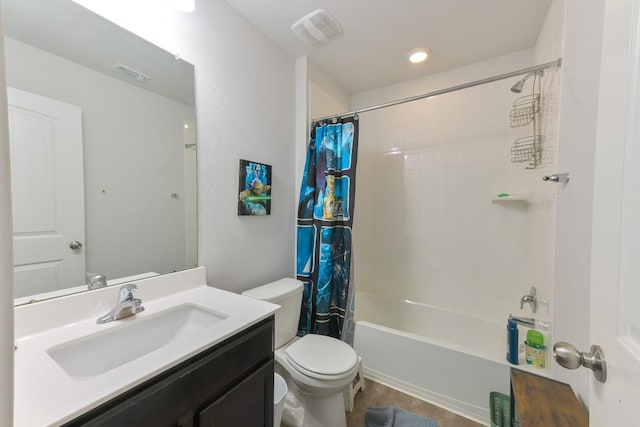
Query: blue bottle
x=512 y=342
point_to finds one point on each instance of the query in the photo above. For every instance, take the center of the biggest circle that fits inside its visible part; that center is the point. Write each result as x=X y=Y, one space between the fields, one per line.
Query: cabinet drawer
x=176 y=396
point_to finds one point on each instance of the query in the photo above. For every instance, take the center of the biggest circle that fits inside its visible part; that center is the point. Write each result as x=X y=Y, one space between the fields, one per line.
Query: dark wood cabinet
x=244 y=405
x=538 y=401
x=226 y=385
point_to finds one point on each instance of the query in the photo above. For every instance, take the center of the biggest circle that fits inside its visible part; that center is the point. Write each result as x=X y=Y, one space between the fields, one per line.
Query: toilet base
x=313 y=402
x=325 y=411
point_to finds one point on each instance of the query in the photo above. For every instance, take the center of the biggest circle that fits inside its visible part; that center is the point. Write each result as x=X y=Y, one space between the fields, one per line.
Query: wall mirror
x=103 y=151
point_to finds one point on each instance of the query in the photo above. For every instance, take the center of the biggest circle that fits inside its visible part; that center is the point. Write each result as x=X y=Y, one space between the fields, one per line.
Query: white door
x=48 y=193
x=615 y=272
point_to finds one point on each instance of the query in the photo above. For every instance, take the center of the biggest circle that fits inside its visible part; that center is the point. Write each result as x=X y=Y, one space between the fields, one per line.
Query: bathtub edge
x=472 y=412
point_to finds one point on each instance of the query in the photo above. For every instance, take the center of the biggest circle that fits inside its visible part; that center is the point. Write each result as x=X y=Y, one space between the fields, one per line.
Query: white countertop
x=45 y=395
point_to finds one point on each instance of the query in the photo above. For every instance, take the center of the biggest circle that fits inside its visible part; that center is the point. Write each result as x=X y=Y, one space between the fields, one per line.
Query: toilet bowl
x=316 y=368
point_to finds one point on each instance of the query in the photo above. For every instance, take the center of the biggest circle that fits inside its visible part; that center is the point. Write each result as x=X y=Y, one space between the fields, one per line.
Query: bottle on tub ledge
x=512 y=341
x=535 y=350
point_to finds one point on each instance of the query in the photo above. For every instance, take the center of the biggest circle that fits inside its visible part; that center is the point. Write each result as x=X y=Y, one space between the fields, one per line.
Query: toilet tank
x=287 y=293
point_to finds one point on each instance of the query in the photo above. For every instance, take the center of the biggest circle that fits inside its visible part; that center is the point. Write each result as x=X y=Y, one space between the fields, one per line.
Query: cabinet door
x=249 y=404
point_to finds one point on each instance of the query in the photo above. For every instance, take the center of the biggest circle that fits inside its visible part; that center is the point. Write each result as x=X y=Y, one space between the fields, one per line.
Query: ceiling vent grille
x=316 y=28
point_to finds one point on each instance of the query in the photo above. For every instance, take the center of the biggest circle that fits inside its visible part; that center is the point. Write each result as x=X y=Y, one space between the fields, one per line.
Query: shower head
x=517 y=88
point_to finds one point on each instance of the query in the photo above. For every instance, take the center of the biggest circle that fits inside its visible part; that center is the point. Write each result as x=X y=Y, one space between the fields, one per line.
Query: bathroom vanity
x=229 y=384
x=196 y=356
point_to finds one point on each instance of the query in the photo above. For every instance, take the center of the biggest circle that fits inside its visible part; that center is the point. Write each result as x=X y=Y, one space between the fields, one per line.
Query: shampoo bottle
x=512 y=342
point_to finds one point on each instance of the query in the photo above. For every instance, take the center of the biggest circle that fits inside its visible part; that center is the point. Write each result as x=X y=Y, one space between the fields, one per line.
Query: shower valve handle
x=561 y=178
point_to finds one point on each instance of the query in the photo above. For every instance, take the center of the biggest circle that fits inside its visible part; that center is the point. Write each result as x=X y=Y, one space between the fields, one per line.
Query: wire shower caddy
x=525 y=112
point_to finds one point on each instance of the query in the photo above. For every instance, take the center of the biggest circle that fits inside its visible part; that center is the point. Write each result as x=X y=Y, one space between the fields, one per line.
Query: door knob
x=568 y=356
x=75 y=245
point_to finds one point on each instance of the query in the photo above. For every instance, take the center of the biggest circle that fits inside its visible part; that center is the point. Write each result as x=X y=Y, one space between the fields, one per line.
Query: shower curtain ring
x=356 y=117
x=334 y=120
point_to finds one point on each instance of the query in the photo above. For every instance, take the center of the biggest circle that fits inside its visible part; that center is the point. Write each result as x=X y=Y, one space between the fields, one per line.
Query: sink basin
x=134 y=337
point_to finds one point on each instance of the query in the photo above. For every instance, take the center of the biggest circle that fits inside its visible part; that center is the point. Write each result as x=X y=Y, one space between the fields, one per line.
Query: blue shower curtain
x=325 y=220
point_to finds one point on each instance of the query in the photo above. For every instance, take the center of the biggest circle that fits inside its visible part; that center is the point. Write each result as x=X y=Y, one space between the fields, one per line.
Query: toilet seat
x=322 y=357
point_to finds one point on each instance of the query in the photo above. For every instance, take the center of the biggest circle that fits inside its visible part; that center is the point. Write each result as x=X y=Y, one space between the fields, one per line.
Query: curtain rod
x=557 y=63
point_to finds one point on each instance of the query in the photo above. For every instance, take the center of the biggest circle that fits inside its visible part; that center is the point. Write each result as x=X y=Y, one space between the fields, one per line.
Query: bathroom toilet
x=316 y=368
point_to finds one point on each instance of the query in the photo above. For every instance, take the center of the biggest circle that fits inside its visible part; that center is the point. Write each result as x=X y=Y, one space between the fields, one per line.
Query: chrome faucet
x=127 y=305
x=97 y=281
x=530 y=299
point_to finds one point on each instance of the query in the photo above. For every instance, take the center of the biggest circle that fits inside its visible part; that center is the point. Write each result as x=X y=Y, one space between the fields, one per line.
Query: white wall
x=301 y=138
x=245 y=109
x=326 y=95
x=6 y=257
x=578 y=113
x=133 y=160
x=427 y=229
x=244 y=92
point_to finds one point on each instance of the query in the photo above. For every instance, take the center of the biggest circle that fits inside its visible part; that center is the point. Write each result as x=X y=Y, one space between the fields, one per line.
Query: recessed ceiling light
x=417 y=56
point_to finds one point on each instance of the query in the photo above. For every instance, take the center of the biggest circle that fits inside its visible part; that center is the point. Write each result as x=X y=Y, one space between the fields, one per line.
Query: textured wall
x=244 y=87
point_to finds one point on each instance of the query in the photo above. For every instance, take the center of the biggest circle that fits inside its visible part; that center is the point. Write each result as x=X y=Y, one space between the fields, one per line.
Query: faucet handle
x=127 y=292
x=531 y=299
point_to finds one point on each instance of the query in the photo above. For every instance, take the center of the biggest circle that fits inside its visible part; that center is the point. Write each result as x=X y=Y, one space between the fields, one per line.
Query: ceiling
x=68 y=30
x=378 y=34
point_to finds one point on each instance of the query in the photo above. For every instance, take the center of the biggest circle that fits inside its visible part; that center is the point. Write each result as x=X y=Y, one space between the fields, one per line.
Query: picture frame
x=254 y=189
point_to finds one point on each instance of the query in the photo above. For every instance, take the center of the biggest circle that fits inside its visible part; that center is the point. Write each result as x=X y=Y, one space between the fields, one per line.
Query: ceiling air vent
x=130 y=73
x=316 y=28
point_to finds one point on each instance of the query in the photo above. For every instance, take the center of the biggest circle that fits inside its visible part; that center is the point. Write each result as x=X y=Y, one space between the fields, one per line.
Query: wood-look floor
x=376 y=394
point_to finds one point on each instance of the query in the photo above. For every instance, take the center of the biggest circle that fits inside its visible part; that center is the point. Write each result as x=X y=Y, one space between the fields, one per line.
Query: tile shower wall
x=427 y=226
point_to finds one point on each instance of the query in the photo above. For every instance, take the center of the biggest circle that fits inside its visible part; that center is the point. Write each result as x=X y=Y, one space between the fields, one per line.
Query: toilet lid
x=322 y=355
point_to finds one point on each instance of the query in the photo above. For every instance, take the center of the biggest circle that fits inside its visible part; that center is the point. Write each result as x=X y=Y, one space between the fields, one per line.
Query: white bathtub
x=448 y=358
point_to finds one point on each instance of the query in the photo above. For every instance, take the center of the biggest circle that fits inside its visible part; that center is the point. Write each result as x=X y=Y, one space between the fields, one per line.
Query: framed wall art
x=254 y=193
